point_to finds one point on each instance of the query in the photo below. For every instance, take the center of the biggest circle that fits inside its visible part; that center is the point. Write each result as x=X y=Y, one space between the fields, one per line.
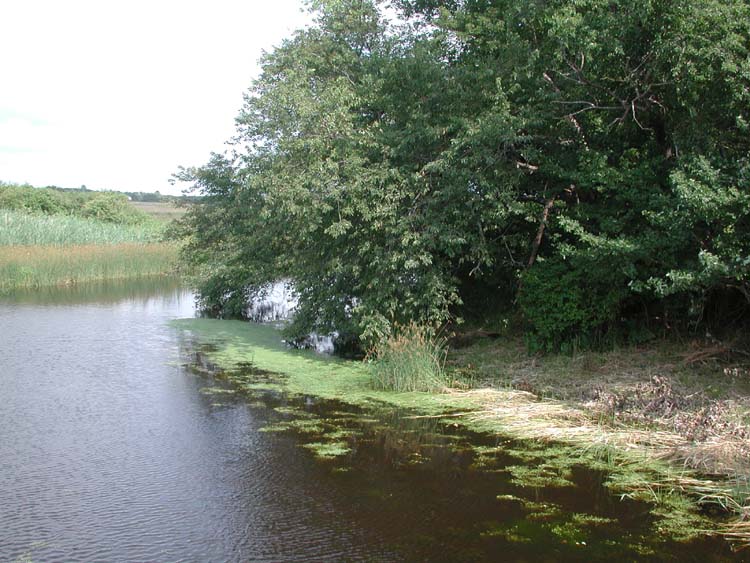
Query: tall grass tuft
x=20 y=228
x=412 y=359
x=32 y=267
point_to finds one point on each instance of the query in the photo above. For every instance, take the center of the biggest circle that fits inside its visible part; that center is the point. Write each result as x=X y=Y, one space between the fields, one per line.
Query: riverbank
x=697 y=392
x=31 y=267
x=640 y=461
x=46 y=249
x=687 y=404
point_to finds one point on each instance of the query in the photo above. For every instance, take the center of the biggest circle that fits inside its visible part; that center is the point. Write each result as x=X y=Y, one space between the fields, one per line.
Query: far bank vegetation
x=59 y=237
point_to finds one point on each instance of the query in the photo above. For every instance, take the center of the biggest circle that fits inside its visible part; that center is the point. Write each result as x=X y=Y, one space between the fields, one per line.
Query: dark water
x=114 y=448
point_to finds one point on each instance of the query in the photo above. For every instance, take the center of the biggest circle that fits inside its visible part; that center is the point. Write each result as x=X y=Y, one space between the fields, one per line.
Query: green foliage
x=32 y=200
x=108 y=207
x=567 y=307
x=412 y=359
x=394 y=172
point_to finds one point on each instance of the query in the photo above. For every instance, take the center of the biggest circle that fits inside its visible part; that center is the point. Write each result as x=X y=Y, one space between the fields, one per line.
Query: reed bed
x=24 y=229
x=412 y=359
x=29 y=267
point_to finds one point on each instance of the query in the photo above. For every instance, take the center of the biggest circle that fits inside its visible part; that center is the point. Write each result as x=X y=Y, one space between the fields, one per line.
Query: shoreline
x=38 y=266
x=641 y=463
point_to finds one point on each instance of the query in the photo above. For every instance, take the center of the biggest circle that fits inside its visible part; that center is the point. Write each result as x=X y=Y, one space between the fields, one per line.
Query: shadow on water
x=438 y=492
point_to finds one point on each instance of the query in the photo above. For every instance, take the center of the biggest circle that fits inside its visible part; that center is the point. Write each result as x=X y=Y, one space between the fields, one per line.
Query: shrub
x=411 y=359
x=569 y=306
x=110 y=207
x=34 y=200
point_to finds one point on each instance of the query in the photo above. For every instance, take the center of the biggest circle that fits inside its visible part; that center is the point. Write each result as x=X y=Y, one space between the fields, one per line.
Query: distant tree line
x=579 y=167
x=109 y=207
x=157 y=197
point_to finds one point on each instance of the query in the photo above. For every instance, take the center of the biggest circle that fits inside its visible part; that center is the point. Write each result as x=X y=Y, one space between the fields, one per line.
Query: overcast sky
x=117 y=94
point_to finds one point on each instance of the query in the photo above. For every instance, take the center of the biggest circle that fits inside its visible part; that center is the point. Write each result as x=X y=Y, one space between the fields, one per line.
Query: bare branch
x=540 y=232
x=526 y=165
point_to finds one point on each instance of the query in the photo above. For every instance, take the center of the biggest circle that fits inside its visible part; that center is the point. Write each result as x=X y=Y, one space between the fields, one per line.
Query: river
x=111 y=450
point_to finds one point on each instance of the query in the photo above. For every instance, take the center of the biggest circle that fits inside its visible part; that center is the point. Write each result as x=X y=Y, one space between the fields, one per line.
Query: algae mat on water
x=238 y=343
x=235 y=346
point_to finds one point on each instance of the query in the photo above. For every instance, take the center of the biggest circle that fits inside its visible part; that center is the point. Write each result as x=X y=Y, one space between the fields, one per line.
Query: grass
x=30 y=267
x=677 y=402
x=410 y=360
x=161 y=211
x=23 y=229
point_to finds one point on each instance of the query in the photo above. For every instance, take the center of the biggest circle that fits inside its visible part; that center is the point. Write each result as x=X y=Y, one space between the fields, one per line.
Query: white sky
x=117 y=94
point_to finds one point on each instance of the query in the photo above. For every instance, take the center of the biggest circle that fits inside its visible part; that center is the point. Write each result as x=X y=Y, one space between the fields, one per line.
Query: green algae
x=216 y=391
x=541 y=510
x=239 y=343
x=569 y=532
x=258 y=361
x=301 y=426
x=509 y=498
x=293 y=411
x=328 y=450
x=342 y=433
x=591 y=520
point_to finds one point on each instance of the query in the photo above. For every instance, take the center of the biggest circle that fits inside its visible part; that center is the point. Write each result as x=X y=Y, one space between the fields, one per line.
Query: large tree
x=587 y=156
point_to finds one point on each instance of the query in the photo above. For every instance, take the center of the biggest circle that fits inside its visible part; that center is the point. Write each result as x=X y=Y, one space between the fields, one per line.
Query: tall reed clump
x=21 y=228
x=30 y=267
x=411 y=359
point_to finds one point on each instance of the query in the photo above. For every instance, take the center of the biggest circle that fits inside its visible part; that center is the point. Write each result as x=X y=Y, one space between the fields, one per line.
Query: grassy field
x=32 y=267
x=161 y=211
x=19 y=228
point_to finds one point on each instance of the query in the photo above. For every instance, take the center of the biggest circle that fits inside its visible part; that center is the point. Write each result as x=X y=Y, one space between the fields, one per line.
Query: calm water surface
x=112 y=450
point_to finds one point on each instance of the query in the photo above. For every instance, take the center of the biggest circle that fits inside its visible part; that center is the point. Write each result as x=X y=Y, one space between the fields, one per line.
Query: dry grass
x=162 y=211
x=651 y=402
x=42 y=266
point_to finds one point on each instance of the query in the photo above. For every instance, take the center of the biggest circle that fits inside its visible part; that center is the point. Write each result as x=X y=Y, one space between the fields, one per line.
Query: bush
x=411 y=359
x=569 y=306
x=33 y=200
x=111 y=207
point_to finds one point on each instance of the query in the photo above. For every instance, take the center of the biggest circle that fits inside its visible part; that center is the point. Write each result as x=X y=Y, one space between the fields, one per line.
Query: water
x=115 y=447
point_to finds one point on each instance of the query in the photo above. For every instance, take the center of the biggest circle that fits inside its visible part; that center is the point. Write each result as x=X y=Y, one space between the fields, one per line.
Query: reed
x=412 y=359
x=19 y=228
x=42 y=266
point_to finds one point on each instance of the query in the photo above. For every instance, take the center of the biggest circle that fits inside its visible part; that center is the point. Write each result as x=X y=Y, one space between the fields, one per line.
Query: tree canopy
x=582 y=163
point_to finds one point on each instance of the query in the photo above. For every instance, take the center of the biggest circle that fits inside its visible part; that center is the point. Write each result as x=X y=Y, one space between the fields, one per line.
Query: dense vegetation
x=51 y=237
x=109 y=207
x=33 y=267
x=581 y=165
x=19 y=228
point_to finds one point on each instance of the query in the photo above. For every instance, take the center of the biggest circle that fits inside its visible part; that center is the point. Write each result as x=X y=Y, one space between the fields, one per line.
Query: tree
x=587 y=158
